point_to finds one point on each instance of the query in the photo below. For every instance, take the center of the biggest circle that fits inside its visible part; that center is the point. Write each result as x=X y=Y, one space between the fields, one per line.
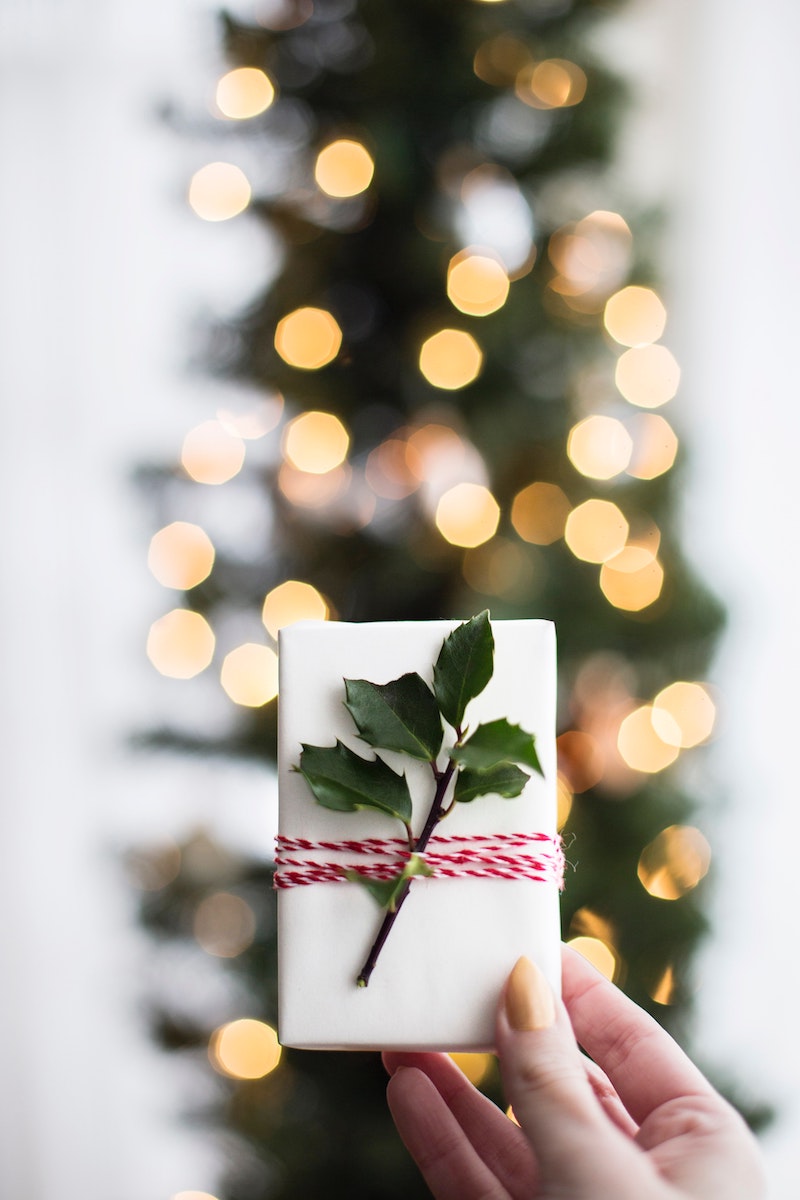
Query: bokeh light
x=180 y=644
x=394 y=469
x=224 y=925
x=467 y=515
x=293 y=600
x=344 y=168
x=499 y=567
x=499 y=60
x=674 y=862
x=450 y=359
x=219 y=191
x=252 y=421
x=308 y=490
x=665 y=988
x=552 y=83
x=315 y=442
x=151 y=868
x=308 y=338
x=655 y=446
x=244 y=1049
x=641 y=743
x=181 y=555
x=598 y=953
x=477 y=283
x=591 y=257
x=599 y=447
x=244 y=92
x=249 y=675
x=475 y=1066
x=647 y=376
x=539 y=513
x=635 y=316
x=596 y=530
x=691 y=708
x=564 y=798
x=632 y=580
x=211 y=453
x=580 y=759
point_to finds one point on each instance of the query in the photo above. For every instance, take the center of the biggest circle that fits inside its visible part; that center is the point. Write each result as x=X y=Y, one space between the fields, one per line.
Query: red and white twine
x=534 y=856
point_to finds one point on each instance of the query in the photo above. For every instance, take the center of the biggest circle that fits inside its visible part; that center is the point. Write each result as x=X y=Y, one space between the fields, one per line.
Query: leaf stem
x=435 y=815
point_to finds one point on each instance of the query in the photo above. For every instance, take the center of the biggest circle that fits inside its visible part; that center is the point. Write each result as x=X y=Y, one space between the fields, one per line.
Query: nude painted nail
x=528 y=999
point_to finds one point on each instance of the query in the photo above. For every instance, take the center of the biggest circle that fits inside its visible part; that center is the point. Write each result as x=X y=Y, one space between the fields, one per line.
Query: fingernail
x=528 y=998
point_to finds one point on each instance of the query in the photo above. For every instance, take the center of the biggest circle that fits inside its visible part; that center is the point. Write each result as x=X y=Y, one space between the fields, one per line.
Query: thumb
x=544 y=1077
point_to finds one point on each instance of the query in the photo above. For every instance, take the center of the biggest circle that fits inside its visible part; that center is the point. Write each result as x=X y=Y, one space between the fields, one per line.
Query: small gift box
x=485 y=888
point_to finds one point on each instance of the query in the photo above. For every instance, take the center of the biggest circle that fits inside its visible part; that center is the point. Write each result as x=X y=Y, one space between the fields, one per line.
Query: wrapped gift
x=490 y=888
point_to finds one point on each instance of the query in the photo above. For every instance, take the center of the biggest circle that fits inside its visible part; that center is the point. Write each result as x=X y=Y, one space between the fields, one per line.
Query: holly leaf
x=503 y=780
x=402 y=715
x=387 y=891
x=497 y=742
x=464 y=667
x=342 y=780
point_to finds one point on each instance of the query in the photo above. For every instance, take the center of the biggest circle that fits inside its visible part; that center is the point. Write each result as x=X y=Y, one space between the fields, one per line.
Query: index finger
x=645 y=1065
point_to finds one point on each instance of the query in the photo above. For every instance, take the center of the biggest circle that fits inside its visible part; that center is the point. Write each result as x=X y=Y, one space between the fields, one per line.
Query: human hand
x=636 y=1121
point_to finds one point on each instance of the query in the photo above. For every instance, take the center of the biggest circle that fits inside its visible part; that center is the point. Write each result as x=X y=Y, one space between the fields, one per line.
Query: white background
x=101 y=266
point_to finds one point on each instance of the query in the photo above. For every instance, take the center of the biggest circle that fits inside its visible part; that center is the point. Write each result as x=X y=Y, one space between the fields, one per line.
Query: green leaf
x=464 y=667
x=342 y=780
x=402 y=715
x=497 y=742
x=387 y=891
x=503 y=780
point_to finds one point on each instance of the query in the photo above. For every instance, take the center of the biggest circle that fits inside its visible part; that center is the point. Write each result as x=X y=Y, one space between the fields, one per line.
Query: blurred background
x=345 y=310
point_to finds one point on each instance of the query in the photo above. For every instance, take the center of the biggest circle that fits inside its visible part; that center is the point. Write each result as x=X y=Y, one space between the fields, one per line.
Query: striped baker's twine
x=534 y=856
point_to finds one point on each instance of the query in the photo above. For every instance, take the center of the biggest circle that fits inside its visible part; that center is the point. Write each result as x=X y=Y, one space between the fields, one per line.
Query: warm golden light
x=654 y=446
x=181 y=555
x=308 y=490
x=244 y=1049
x=315 y=442
x=344 y=168
x=539 y=513
x=249 y=675
x=596 y=530
x=244 y=92
x=477 y=284
x=580 y=759
x=598 y=952
x=564 y=798
x=224 y=925
x=219 y=191
x=180 y=644
x=467 y=515
x=632 y=579
x=641 y=743
x=674 y=862
x=394 y=469
x=691 y=708
x=475 y=1066
x=292 y=601
x=499 y=60
x=599 y=447
x=664 y=990
x=450 y=359
x=210 y=454
x=499 y=567
x=635 y=316
x=647 y=376
x=308 y=338
x=591 y=256
x=552 y=83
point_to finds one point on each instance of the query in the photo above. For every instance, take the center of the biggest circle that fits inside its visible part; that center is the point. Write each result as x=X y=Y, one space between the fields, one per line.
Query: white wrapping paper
x=439 y=976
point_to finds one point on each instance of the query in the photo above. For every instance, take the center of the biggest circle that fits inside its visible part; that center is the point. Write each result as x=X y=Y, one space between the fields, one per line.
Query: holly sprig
x=410 y=717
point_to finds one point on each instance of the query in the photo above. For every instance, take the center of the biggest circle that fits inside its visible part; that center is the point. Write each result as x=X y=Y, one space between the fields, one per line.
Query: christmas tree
x=459 y=381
